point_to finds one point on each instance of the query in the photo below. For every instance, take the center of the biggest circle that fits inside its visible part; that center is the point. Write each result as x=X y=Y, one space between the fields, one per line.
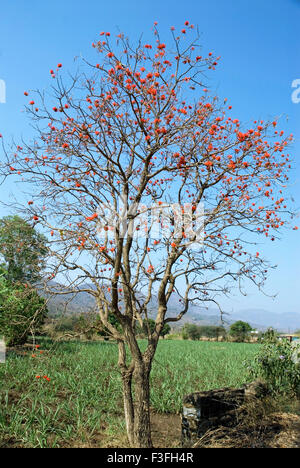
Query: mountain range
x=259 y=319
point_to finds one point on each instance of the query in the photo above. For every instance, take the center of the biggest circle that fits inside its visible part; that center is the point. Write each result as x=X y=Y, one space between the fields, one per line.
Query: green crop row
x=70 y=391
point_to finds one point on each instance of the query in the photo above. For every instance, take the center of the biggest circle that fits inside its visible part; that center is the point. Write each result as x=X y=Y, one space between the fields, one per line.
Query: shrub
x=275 y=363
x=22 y=311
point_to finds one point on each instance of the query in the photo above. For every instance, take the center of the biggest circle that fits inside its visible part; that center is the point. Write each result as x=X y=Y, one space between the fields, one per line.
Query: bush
x=275 y=363
x=22 y=311
x=175 y=336
x=269 y=336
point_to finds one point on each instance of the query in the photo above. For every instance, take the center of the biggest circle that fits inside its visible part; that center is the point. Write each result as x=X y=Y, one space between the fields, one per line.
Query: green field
x=83 y=397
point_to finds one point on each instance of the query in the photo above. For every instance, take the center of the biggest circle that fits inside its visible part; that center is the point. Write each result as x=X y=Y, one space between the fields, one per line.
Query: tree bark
x=136 y=389
x=128 y=406
x=137 y=408
x=142 y=427
x=127 y=392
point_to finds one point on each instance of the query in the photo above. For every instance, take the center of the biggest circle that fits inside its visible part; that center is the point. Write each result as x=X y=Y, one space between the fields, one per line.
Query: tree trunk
x=137 y=409
x=128 y=406
x=127 y=391
x=142 y=428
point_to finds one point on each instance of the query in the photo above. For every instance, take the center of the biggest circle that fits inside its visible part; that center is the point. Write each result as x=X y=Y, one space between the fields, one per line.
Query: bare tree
x=148 y=189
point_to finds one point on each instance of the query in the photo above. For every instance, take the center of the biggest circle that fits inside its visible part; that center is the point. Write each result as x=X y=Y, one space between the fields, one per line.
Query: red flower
x=90 y=218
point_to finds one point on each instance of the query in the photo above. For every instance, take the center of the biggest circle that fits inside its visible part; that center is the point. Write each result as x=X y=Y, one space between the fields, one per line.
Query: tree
x=190 y=330
x=195 y=332
x=166 y=330
x=149 y=327
x=22 y=248
x=148 y=189
x=23 y=252
x=212 y=331
x=22 y=311
x=240 y=330
x=219 y=332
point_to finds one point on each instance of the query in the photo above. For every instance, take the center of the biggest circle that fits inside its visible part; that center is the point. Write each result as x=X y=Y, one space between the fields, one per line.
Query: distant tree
x=104 y=331
x=195 y=332
x=240 y=330
x=22 y=249
x=220 y=332
x=149 y=327
x=166 y=330
x=211 y=331
x=216 y=331
x=89 y=324
x=65 y=324
x=22 y=311
x=191 y=331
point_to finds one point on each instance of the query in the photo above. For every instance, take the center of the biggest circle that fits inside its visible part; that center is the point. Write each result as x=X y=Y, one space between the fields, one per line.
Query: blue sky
x=260 y=48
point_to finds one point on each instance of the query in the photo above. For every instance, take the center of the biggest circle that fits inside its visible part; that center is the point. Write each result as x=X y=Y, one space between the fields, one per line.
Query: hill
x=259 y=319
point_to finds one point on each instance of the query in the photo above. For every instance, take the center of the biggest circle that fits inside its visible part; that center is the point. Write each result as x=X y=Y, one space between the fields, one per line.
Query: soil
x=279 y=430
x=166 y=430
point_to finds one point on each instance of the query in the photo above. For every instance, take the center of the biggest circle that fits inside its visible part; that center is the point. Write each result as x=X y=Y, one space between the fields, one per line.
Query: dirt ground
x=279 y=430
x=166 y=430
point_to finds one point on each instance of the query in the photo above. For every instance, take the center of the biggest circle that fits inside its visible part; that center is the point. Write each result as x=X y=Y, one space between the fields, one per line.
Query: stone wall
x=211 y=409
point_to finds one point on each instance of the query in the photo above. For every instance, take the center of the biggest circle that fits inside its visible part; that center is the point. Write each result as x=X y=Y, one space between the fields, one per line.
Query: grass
x=83 y=398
